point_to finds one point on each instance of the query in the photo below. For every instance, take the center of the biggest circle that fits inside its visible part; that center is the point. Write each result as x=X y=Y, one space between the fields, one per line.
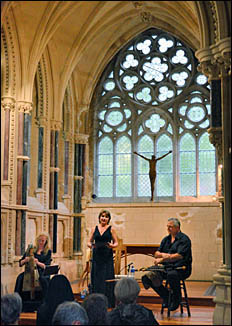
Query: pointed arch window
x=151 y=99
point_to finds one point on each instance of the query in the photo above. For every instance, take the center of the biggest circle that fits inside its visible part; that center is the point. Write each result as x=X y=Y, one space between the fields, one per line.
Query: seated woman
x=31 y=284
x=59 y=291
x=127 y=311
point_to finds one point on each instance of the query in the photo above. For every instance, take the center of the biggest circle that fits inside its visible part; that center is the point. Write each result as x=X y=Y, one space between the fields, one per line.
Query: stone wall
x=145 y=223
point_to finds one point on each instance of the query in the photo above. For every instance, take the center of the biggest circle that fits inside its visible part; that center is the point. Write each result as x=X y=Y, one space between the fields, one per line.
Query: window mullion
x=197 y=169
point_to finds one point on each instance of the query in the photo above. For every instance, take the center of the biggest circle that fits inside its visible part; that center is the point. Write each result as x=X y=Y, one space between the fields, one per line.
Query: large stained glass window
x=151 y=99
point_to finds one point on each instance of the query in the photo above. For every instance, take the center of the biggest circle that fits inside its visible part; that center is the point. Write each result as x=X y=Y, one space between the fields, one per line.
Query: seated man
x=173 y=253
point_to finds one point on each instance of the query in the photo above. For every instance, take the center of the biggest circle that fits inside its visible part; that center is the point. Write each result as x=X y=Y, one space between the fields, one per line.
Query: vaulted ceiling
x=80 y=37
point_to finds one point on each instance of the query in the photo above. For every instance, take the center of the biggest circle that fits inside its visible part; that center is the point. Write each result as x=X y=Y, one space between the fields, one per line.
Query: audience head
x=59 y=290
x=42 y=241
x=70 y=313
x=126 y=290
x=96 y=305
x=11 y=308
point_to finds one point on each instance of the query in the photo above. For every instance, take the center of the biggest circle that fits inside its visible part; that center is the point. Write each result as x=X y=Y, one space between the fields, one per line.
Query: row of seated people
x=60 y=308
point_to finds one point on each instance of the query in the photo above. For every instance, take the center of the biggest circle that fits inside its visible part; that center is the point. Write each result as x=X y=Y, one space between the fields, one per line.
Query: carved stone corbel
x=215 y=138
x=55 y=125
x=209 y=69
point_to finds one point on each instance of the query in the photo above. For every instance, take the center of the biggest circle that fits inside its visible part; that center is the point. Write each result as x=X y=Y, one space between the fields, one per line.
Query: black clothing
x=102 y=268
x=131 y=314
x=59 y=290
x=44 y=280
x=182 y=246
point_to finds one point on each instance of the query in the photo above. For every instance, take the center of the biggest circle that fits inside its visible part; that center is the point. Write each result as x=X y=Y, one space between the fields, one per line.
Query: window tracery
x=152 y=99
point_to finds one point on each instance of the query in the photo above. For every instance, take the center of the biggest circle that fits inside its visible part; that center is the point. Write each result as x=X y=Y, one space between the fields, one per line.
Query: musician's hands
x=37 y=262
x=165 y=255
x=158 y=261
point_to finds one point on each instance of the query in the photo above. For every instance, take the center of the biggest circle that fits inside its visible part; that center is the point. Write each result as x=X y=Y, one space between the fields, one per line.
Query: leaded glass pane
x=105 y=164
x=105 y=146
x=207 y=166
x=123 y=167
x=164 y=167
x=144 y=188
x=105 y=186
x=188 y=184
x=187 y=166
x=207 y=184
x=123 y=186
x=164 y=184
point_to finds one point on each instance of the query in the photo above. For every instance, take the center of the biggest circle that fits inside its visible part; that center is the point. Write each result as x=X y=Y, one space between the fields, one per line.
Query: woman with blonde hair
x=36 y=258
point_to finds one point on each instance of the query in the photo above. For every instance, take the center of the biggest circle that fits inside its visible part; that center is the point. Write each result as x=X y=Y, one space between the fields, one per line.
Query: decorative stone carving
x=55 y=125
x=146 y=17
x=81 y=138
x=8 y=103
x=215 y=138
x=215 y=20
x=24 y=107
x=137 y=4
x=212 y=71
x=41 y=121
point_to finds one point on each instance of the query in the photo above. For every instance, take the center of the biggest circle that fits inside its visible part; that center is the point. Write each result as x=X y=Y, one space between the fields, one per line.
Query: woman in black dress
x=102 y=239
x=42 y=258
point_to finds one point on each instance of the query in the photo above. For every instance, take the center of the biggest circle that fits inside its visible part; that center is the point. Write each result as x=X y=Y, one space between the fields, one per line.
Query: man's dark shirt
x=182 y=246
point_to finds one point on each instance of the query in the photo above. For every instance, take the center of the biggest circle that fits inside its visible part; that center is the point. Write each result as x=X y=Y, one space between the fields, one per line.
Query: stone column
x=217 y=57
x=53 y=184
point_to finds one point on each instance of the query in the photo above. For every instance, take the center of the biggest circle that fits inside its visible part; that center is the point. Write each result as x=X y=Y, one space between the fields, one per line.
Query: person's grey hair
x=11 y=308
x=126 y=290
x=69 y=312
x=175 y=221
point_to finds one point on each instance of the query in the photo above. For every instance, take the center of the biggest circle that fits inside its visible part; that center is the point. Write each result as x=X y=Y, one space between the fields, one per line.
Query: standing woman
x=42 y=257
x=102 y=239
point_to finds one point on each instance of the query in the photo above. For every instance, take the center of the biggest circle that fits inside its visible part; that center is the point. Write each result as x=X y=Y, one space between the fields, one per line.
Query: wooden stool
x=184 y=298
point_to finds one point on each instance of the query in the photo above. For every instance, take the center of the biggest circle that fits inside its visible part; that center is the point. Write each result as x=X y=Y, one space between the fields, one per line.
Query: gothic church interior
x=86 y=83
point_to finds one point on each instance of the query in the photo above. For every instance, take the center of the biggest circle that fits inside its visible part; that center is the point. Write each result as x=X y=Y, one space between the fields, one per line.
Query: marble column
x=53 y=183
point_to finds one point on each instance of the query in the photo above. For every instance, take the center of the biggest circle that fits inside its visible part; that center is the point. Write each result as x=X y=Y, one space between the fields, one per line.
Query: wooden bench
x=28 y=318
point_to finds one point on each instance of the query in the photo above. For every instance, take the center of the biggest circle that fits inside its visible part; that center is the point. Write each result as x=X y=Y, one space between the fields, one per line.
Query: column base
x=222 y=281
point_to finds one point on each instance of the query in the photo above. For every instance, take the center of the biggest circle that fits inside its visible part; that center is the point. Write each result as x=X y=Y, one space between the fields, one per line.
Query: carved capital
x=211 y=70
x=55 y=125
x=69 y=136
x=41 y=121
x=215 y=61
x=215 y=138
x=24 y=107
x=8 y=103
x=81 y=138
